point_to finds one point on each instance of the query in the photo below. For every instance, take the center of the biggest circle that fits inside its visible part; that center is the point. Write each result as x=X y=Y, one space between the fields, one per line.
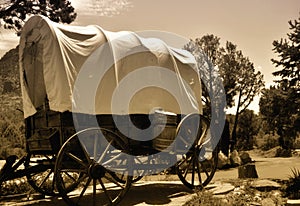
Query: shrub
x=12 y=132
x=16 y=186
x=205 y=198
x=293 y=186
x=297 y=142
x=267 y=141
x=281 y=152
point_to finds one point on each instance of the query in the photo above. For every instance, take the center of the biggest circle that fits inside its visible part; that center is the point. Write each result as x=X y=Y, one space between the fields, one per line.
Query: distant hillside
x=12 y=134
x=9 y=73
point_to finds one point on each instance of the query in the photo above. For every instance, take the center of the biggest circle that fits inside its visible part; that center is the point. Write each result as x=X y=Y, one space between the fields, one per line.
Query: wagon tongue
x=7 y=167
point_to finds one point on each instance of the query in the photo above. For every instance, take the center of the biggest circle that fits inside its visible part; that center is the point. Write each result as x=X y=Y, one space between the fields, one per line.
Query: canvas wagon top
x=87 y=69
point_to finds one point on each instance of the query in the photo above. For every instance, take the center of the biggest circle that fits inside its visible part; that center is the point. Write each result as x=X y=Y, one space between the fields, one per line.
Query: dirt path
x=267 y=168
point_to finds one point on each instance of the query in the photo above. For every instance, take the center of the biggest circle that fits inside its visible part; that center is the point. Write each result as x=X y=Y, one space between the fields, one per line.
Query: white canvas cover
x=53 y=55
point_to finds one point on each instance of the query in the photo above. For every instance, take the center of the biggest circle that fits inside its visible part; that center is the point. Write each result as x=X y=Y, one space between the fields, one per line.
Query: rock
x=223 y=161
x=224 y=201
x=211 y=186
x=245 y=158
x=221 y=197
x=235 y=159
x=265 y=185
x=247 y=171
x=255 y=204
x=222 y=188
x=268 y=202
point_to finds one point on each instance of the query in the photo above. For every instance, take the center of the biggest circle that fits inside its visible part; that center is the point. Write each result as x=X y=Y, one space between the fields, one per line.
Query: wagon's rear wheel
x=42 y=173
x=195 y=173
x=196 y=168
x=94 y=154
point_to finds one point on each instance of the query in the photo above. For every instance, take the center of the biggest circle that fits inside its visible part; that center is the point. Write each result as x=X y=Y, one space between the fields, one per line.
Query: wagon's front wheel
x=90 y=154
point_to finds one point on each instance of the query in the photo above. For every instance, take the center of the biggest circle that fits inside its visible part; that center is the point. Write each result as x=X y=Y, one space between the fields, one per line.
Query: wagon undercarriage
x=97 y=164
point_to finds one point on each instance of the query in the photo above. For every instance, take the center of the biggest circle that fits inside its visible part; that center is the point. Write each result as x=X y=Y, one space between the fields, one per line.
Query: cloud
x=107 y=8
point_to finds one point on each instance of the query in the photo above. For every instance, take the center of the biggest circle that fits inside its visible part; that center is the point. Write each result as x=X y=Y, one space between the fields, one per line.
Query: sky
x=251 y=25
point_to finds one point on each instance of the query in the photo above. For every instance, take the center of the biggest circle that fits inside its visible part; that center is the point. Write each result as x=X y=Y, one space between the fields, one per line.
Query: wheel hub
x=97 y=171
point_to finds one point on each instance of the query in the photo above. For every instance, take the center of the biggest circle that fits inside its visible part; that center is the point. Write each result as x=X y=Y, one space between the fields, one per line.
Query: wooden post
x=247 y=171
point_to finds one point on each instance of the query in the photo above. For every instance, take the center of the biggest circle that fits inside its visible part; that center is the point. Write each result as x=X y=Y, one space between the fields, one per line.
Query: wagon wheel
x=41 y=173
x=93 y=153
x=195 y=171
x=196 y=174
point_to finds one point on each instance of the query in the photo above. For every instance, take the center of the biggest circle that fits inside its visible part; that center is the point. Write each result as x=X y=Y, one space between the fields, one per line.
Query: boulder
x=268 y=202
x=245 y=158
x=223 y=161
x=265 y=185
x=235 y=159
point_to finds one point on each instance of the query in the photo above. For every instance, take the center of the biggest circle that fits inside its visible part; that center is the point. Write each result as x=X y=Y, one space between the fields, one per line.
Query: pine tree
x=288 y=51
x=286 y=109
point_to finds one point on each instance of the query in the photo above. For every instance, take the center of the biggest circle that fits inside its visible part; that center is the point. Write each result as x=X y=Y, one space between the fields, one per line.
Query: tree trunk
x=233 y=134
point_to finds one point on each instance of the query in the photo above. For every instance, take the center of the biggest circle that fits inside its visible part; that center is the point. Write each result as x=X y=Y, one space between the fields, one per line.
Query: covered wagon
x=103 y=109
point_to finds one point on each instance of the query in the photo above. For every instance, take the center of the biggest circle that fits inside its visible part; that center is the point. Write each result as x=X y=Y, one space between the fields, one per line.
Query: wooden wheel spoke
x=187 y=168
x=47 y=157
x=95 y=146
x=74 y=170
x=87 y=156
x=53 y=180
x=112 y=159
x=183 y=160
x=122 y=176
x=193 y=171
x=82 y=178
x=199 y=172
x=44 y=179
x=77 y=159
x=70 y=176
x=114 y=181
x=139 y=173
x=205 y=170
x=104 y=152
x=105 y=191
x=84 y=189
x=94 y=191
x=185 y=172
